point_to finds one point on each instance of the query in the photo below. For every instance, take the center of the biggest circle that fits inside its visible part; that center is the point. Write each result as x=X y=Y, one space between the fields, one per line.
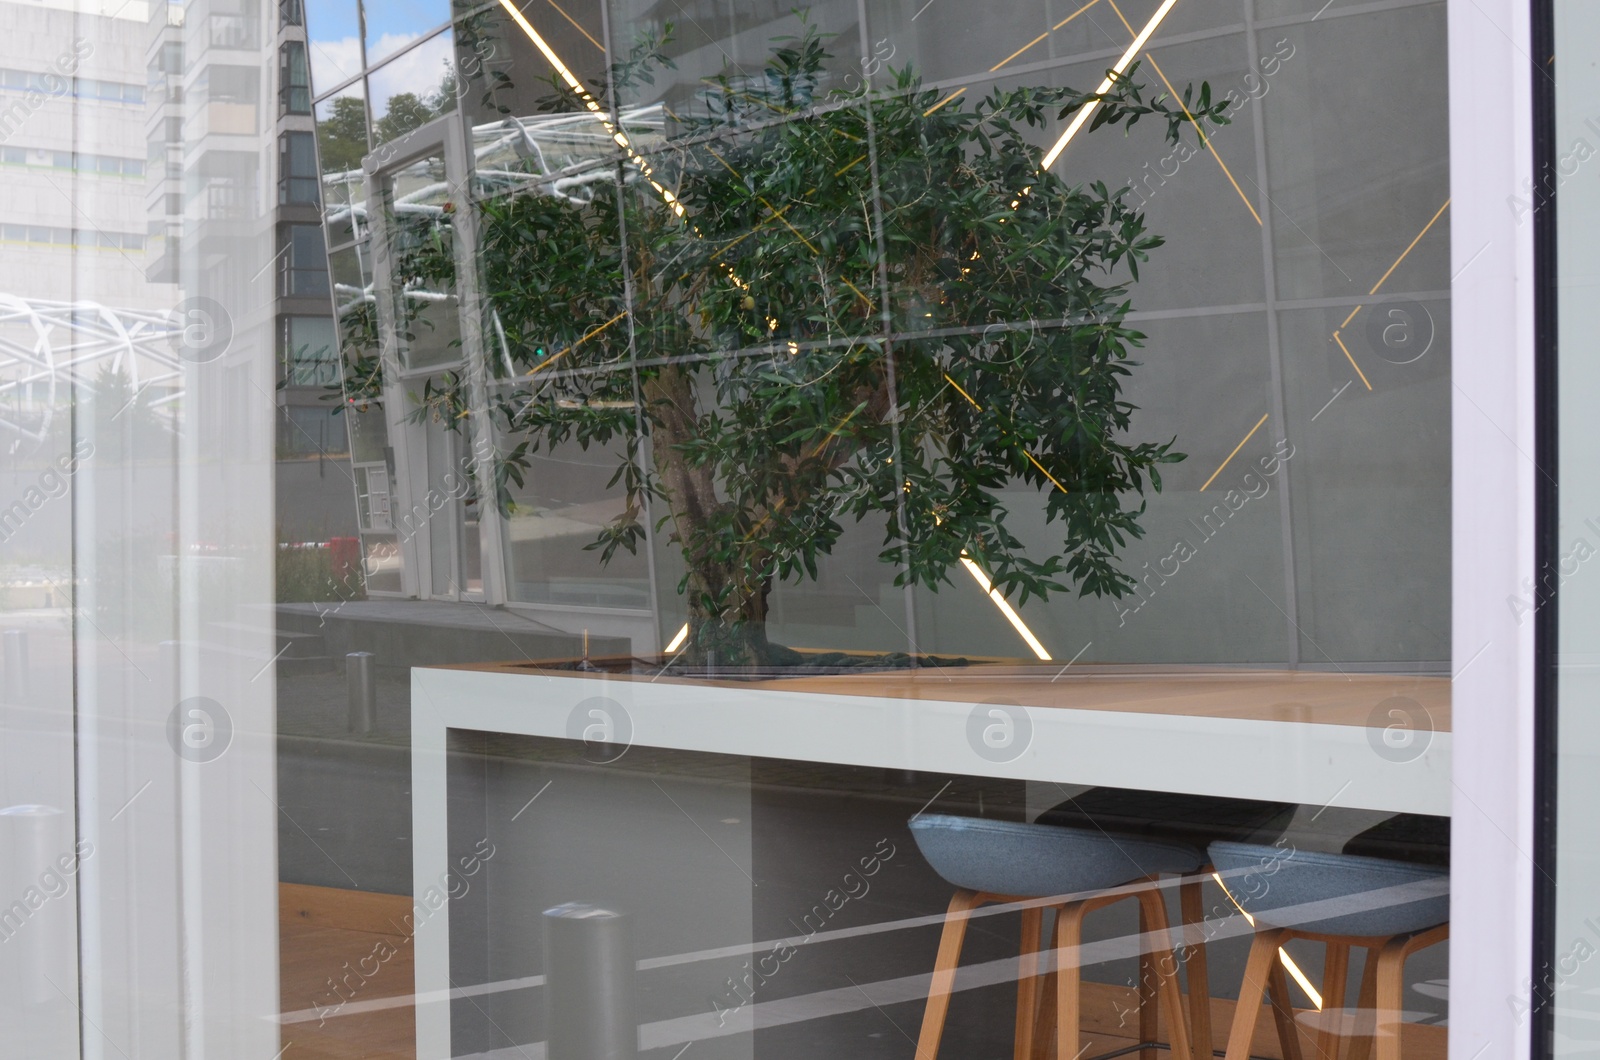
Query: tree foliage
x=801 y=306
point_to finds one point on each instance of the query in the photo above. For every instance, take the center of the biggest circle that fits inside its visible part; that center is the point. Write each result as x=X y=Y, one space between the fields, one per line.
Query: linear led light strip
x=1105 y=86
x=1283 y=955
x=616 y=134
x=593 y=104
x=1005 y=608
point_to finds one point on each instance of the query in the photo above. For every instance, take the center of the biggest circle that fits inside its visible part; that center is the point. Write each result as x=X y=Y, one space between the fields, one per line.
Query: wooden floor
x=346 y=976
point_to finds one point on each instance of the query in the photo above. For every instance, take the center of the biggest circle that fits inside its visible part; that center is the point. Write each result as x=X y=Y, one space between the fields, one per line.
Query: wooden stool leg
x=1044 y=1029
x=1164 y=962
x=1283 y=1009
x=1149 y=978
x=1335 y=973
x=944 y=973
x=1263 y=955
x=1192 y=902
x=1391 y=998
x=1366 y=1002
x=1028 y=981
x=1069 y=936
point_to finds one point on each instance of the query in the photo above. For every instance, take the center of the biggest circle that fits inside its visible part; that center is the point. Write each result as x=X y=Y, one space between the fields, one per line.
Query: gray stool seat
x=1035 y=860
x=1287 y=879
x=1075 y=871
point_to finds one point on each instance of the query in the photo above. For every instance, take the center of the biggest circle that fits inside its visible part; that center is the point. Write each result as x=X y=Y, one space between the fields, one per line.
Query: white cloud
x=419 y=70
x=334 y=62
x=388 y=44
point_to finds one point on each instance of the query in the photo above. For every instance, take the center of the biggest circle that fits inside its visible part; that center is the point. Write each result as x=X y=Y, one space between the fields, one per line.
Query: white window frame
x=1493 y=531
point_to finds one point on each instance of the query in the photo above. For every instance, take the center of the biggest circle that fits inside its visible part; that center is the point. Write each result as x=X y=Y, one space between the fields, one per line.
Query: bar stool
x=1002 y=861
x=1330 y=898
x=1193 y=820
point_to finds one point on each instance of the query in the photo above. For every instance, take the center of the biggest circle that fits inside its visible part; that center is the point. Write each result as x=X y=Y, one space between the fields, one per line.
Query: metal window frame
x=446 y=136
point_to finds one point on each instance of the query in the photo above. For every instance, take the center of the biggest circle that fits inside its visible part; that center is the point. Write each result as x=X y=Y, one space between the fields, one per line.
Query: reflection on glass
x=562 y=505
x=392 y=26
x=794 y=357
x=334 y=44
x=355 y=310
x=305 y=261
x=420 y=237
x=341 y=145
x=310 y=352
x=414 y=88
x=504 y=61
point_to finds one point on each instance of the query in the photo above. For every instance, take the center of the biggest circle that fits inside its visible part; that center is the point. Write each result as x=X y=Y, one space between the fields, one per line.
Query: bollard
x=16 y=686
x=27 y=835
x=362 y=691
x=589 y=973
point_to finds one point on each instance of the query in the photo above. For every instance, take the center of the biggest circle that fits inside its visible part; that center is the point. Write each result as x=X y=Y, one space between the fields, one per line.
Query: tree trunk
x=734 y=636
x=727 y=600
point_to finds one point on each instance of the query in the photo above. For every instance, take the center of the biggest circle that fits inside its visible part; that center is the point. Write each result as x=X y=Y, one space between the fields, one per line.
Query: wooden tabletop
x=1328 y=698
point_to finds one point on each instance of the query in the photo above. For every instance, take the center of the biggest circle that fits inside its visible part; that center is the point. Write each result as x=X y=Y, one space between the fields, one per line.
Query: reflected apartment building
x=197 y=143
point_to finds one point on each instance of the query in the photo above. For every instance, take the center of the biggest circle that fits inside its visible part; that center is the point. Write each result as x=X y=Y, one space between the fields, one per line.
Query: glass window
x=413 y=89
x=815 y=516
x=334 y=45
x=1562 y=991
x=341 y=145
x=232 y=84
x=391 y=27
x=297 y=168
x=294 y=77
x=305 y=268
x=310 y=352
x=822 y=332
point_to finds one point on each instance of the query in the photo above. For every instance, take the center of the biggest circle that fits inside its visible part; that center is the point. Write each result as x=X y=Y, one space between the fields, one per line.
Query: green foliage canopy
x=861 y=304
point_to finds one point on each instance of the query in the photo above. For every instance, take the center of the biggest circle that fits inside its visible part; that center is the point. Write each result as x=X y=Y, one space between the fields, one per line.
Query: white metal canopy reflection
x=46 y=347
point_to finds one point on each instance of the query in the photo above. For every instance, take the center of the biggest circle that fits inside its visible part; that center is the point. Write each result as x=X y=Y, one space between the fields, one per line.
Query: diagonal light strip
x=1283 y=954
x=593 y=104
x=563 y=12
x=1352 y=360
x=1204 y=139
x=1105 y=86
x=1005 y=608
x=1042 y=36
x=1238 y=447
x=1410 y=248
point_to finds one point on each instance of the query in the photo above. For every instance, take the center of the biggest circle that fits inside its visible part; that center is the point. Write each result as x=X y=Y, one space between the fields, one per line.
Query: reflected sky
x=391 y=26
x=333 y=27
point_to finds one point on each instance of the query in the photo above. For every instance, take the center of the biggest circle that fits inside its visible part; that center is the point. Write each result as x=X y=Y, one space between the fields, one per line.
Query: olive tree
x=792 y=306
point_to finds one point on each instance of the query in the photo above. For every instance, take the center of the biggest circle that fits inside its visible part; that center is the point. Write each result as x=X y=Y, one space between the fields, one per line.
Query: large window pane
x=1562 y=989
x=992 y=458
